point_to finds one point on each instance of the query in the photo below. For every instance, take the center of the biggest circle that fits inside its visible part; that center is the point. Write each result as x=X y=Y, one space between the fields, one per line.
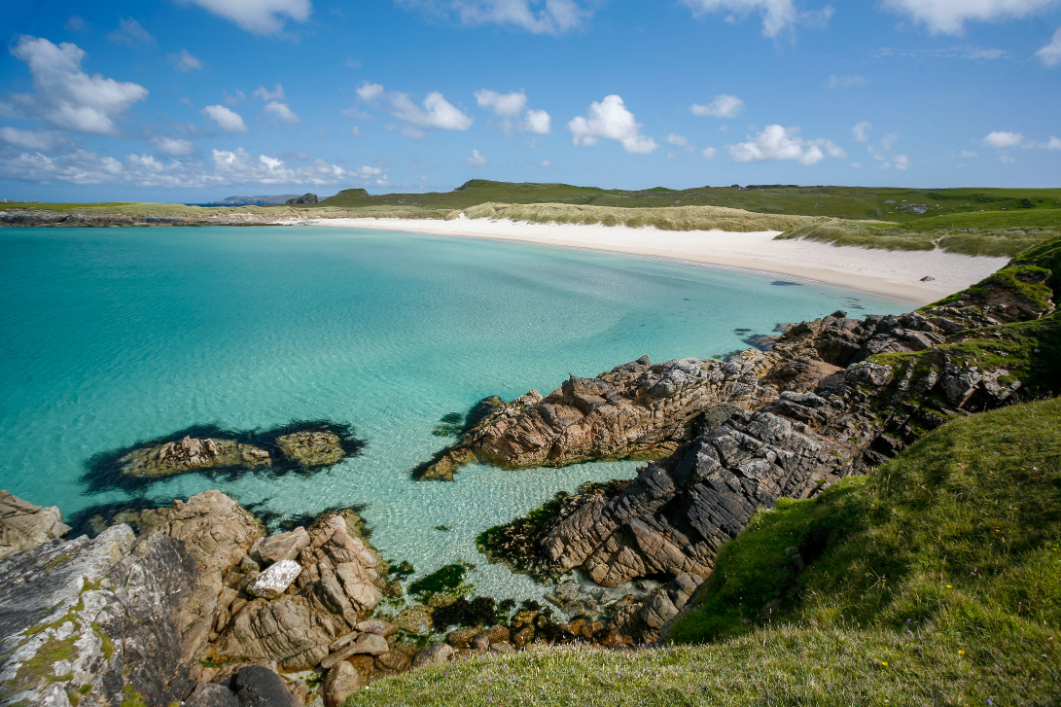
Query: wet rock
x=414 y=619
x=434 y=655
x=340 y=682
x=274 y=581
x=312 y=447
x=24 y=526
x=191 y=454
x=257 y=686
x=285 y=546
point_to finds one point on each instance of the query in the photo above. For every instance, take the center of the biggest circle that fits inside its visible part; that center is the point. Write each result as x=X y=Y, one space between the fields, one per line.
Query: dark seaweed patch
x=785 y=283
x=104 y=471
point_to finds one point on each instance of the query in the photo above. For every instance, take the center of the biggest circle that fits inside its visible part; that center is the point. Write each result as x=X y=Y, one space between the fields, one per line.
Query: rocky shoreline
x=200 y=606
x=33 y=218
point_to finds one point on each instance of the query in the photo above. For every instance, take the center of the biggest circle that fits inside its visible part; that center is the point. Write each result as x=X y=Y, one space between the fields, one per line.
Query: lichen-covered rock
x=191 y=454
x=312 y=447
x=24 y=526
x=638 y=410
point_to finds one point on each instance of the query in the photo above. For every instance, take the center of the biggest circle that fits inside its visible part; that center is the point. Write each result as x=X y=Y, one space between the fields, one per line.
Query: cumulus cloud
x=1001 y=140
x=369 y=91
x=724 y=106
x=282 y=112
x=1050 y=55
x=131 y=33
x=36 y=140
x=223 y=167
x=610 y=119
x=436 y=112
x=229 y=121
x=861 y=131
x=174 y=147
x=257 y=16
x=183 y=61
x=476 y=160
x=536 y=121
x=505 y=105
x=778 y=15
x=709 y=153
x=677 y=140
x=231 y=100
x=780 y=143
x=64 y=95
x=950 y=16
x=837 y=83
x=277 y=94
x=1053 y=144
x=556 y=17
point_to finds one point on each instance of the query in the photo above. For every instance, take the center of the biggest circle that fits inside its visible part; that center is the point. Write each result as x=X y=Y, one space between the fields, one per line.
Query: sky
x=195 y=100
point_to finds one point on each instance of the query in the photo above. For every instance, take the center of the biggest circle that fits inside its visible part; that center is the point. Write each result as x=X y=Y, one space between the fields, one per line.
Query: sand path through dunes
x=891 y=273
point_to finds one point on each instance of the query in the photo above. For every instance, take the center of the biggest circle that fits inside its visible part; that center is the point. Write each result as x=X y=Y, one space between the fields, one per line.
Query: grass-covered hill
x=937 y=581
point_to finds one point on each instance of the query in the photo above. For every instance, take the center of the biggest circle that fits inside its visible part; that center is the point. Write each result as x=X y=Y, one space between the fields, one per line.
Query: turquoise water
x=110 y=337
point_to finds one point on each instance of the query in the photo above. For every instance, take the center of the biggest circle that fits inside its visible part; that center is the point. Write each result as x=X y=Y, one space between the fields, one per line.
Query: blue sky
x=193 y=100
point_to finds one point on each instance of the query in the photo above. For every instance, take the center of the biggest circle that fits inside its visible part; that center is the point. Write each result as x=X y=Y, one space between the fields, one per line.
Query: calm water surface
x=110 y=337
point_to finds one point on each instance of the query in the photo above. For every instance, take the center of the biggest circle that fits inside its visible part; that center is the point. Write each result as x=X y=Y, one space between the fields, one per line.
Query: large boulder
x=339 y=683
x=24 y=526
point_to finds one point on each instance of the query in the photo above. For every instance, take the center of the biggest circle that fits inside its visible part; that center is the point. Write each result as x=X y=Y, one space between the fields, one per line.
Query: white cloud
x=183 y=61
x=257 y=16
x=966 y=52
x=504 y=105
x=950 y=16
x=282 y=112
x=837 y=83
x=369 y=91
x=779 y=143
x=277 y=94
x=65 y=95
x=724 y=106
x=36 y=140
x=352 y=63
x=556 y=17
x=777 y=14
x=231 y=100
x=709 y=153
x=1006 y=158
x=131 y=33
x=856 y=165
x=1001 y=140
x=860 y=131
x=536 y=121
x=1050 y=55
x=546 y=163
x=610 y=119
x=356 y=132
x=76 y=24
x=902 y=162
x=967 y=154
x=229 y=121
x=435 y=113
x=174 y=147
x=476 y=160
x=1054 y=144
x=677 y=140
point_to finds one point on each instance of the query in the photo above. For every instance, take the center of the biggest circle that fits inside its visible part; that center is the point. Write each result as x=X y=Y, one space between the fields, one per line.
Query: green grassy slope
x=935 y=582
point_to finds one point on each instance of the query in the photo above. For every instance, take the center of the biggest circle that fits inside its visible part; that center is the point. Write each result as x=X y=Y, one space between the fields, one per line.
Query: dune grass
x=937 y=581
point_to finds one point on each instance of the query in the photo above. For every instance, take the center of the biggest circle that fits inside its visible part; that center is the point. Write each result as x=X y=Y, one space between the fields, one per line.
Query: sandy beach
x=891 y=273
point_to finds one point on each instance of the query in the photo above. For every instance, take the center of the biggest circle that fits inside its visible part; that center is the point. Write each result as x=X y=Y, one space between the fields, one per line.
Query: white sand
x=891 y=273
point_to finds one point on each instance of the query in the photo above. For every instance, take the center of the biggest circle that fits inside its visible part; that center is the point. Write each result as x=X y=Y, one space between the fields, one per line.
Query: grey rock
x=434 y=655
x=257 y=686
x=274 y=581
x=211 y=695
x=285 y=546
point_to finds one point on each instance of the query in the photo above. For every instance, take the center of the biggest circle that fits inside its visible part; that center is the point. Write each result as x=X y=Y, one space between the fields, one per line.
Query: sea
x=111 y=337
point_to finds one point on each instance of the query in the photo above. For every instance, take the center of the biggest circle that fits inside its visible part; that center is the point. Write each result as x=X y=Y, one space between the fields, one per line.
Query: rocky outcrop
x=38 y=218
x=635 y=411
x=304 y=199
x=851 y=395
x=190 y=454
x=24 y=526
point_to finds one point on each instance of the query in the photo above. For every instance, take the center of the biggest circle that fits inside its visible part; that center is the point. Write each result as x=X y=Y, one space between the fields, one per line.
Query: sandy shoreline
x=890 y=273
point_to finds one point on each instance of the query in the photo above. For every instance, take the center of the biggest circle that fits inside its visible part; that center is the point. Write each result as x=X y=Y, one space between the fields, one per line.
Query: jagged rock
x=340 y=682
x=257 y=686
x=98 y=617
x=274 y=581
x=285 y=546
x=340 y=572
x=304 y=199
x=637 y=410
x=434 y=655
x=287 y=630
x=24 y=526
x=191 y=454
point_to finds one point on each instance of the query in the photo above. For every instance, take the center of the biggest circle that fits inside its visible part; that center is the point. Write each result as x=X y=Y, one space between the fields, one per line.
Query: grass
x=937 y=581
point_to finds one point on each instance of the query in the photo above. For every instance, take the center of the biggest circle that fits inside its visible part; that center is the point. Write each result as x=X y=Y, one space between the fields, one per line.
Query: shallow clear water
x=110 y=337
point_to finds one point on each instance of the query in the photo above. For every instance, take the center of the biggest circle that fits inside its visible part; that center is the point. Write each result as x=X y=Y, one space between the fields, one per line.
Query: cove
x=112 y=337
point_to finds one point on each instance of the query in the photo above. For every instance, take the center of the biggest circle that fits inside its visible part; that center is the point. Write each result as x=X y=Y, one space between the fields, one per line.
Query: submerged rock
x=24 y=526
x=312 y=447
x=189 y=454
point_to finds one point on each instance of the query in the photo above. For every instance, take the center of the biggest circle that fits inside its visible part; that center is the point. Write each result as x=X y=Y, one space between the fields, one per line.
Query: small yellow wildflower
x=961 y=652
x=949 y=587
x=884 y=663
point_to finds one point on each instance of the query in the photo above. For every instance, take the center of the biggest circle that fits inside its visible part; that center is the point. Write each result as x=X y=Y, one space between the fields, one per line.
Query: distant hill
x=253 y=200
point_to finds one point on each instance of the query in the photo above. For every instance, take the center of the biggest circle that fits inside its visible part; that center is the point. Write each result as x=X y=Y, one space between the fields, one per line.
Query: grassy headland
x=937 y=581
